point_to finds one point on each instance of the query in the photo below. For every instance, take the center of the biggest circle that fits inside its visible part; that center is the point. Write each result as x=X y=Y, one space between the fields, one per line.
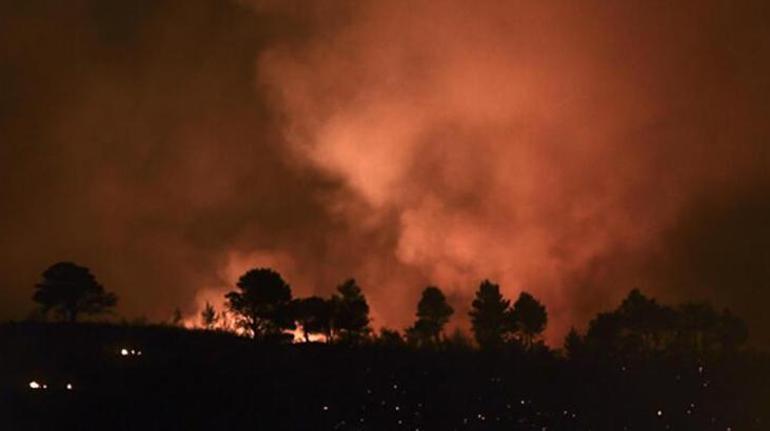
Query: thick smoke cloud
x=571 y=149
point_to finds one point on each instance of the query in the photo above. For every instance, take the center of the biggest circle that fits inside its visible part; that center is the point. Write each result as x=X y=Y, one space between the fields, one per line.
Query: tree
x=262 y=303
x=209 y=316
x=646 y=323
x=313 y=315
x=489 y=316
x=528 y=318
x=71 y=290
x=350 y=313
x=604 y=333
x=574 y=345
x=433 y=313
x=419 y=334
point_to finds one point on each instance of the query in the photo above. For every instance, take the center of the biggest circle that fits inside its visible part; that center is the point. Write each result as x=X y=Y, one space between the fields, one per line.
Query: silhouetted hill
x=159 y=377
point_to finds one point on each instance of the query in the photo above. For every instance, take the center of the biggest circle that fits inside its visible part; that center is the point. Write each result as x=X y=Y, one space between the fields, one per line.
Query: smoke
x=572 y=150
x=547 y=145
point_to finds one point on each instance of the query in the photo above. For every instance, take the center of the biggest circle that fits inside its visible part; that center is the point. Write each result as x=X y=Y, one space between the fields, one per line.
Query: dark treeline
x=642 y=366
x=262 y=306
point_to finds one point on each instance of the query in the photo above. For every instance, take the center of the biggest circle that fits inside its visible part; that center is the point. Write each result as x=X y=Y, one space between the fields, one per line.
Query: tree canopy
x=71 y=290
x=489 y=316
x=433 y=312
x=528 y=317
x=313 y=315
x=350 y=313
x=641 y=326
x=262 y=303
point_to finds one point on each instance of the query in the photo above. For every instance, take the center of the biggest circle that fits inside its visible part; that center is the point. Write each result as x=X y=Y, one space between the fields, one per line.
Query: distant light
x=35 y=385
x=660 y=412
x=123 y=352
x=69 y=386
x=133 y=352
x=325 y=408
x=138 y=353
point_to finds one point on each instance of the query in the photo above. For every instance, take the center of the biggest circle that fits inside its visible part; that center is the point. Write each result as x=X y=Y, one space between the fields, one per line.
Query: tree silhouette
x=433 y=313
x=489 y=316
x=350 y=313
x=419 y=334
x=528 y=318
x=313 y=315
x=574 y=345
x=209 y=316
x=71 y=290
x=605 y=333
x=646 y=323
x=262 y=303
x=641 y=326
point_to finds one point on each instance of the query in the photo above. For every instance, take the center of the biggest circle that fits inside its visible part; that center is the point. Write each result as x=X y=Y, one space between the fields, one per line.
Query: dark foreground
x=197 y=379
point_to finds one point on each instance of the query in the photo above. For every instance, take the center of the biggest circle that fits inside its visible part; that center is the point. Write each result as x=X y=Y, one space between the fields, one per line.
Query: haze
x=575 y=150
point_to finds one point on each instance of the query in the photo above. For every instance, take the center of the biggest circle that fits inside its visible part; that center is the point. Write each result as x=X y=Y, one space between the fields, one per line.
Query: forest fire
x=385 y=215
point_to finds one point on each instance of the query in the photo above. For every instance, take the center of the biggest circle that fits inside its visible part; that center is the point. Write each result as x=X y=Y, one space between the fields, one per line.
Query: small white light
x=133 y=352
x=123 y=352
x=138 y=353
x=45 y=386
x=34 y=385
x=69 y=386
x=326 y=408
x=660 y=412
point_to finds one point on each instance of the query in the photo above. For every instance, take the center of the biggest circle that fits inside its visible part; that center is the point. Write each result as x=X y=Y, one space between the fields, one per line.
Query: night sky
x=575 y=150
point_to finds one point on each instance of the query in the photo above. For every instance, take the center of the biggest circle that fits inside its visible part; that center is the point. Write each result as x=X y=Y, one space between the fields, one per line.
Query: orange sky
x=575 y=150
